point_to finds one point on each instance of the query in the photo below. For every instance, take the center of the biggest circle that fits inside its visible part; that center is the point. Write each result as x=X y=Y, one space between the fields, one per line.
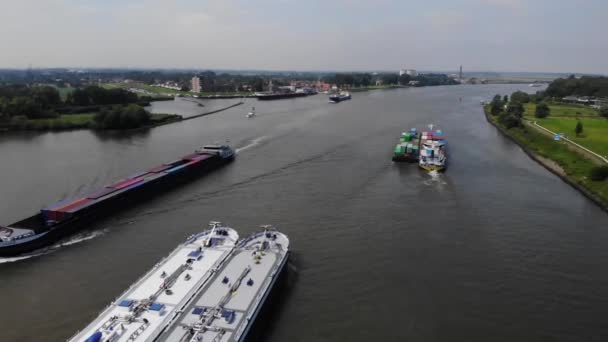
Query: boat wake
x=435 y=179
x=253 y=143
x=72 y=241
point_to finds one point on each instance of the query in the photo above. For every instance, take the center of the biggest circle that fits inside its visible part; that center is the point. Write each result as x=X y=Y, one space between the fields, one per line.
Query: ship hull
x=429 y=167
x=267 y=97
x=265 y=299
x=405 y=159
x=94 y=213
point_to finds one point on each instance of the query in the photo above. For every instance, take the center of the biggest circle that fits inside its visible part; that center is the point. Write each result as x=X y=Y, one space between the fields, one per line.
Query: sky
x=365 y=35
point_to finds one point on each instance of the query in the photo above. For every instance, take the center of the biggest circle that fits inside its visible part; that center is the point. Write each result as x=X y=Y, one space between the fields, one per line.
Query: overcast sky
x=482 y=35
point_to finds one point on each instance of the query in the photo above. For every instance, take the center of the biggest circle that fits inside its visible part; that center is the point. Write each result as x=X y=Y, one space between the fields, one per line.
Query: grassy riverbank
x=71 y=121
x=571 y=166
x=374 y=87
x=563 y=119
x=161 y=91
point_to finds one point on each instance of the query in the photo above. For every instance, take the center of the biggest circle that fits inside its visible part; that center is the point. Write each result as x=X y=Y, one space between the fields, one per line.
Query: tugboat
x=433 y=151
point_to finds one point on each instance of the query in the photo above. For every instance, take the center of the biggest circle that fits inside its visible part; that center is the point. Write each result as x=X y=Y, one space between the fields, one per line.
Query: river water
x=495 y=249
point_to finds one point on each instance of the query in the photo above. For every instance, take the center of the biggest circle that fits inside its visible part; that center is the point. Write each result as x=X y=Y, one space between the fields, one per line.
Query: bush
x=496 y=105
x=131 y=116
x=599 y=173
x=515 y=108
x=509 y=120
x=542 y=110
x=520 y=96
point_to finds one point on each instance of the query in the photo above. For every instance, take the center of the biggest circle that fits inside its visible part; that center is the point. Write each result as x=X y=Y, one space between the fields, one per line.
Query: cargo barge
x=68 y=216
x=154 y=302
x=408 y=148
x=278 y=96
x=342 y=96
x=226 y=307
x=208 y=289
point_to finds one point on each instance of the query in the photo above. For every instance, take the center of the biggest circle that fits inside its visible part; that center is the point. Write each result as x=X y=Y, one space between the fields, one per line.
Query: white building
x=410 y=72
x=195 y=84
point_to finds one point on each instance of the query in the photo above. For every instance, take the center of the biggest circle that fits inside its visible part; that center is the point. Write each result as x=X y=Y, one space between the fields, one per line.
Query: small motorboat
x=251 y=113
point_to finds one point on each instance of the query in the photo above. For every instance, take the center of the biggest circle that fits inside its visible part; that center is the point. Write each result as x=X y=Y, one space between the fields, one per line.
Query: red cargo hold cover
x=77 y=203
x=125 y=183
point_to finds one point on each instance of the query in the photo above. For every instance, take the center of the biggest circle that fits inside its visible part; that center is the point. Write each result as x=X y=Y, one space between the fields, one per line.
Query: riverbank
x=68 y=122
x=382 y=87
x=558 y=158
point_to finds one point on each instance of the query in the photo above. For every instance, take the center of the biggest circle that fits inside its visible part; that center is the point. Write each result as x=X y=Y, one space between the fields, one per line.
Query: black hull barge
x=69 y=216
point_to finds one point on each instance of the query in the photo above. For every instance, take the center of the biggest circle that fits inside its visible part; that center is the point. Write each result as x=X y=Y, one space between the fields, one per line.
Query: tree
x=506 y=99
x=599 y=173
x=390 y=78
x=515 y=108
x=496 y=105
x=520 y=96
x=542 y=110
x=604 y=111
x=122 y=117
x=579 y=128
x=404 y=79
x=80 y=97
x=509 y=120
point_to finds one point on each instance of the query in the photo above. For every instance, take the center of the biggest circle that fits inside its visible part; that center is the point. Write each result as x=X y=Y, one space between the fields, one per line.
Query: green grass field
x=575 y=165
x=75 y=121
x=563 y=119
x=563 y=110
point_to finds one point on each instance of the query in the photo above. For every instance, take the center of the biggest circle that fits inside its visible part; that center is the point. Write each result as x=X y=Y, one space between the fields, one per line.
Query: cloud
x=507 y=4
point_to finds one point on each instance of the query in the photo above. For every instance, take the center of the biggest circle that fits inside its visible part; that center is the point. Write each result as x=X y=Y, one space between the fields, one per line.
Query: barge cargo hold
x=69 y=216
x=278 y=96
x=154 y=302
x=408 y=148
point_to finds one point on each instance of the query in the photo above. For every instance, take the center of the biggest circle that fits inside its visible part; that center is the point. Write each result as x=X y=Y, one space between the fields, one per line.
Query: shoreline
x=551 y=165
x=174 y=118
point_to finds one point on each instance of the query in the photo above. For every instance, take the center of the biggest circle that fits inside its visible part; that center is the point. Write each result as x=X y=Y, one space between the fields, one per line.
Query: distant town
x=198 y=83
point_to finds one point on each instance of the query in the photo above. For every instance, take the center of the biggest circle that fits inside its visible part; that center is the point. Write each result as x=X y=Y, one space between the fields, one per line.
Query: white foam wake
x=253 y=143
x=73 y=240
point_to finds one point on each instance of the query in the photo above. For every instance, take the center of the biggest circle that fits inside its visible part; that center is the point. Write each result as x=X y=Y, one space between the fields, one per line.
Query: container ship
x=278 y=96
x=153 y=302
x=68 y=216
x=433 y=150
x=217 y=299
x=342 y=96
x=408 y=148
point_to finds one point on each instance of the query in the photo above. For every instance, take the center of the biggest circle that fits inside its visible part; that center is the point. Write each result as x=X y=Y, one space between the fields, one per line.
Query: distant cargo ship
x=285 y=94
x=342 y=96
x=67 y=217
x=278 y=96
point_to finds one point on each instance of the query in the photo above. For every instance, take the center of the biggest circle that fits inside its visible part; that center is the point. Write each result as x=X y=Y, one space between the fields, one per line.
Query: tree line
x=113 y=108
x=367 y=79
x=596 y=86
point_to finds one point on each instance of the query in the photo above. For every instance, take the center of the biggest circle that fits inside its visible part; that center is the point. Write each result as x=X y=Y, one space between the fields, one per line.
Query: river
x=495 y=249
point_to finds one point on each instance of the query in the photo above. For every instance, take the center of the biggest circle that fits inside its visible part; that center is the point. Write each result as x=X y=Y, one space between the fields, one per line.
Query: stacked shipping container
x=68 y=208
